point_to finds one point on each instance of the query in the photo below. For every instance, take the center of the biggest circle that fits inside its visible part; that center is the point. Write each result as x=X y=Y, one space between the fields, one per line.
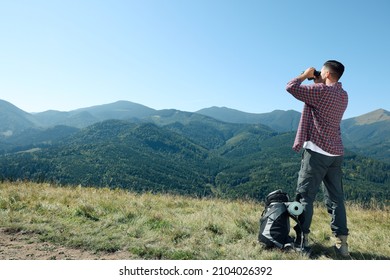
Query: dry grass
x=151 y=226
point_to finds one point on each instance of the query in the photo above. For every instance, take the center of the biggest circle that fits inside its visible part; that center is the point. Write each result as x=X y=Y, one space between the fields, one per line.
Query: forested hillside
x=368 y=134
x=192 y=158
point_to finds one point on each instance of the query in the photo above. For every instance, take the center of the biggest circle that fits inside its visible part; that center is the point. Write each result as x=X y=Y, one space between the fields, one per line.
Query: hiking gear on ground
x=302 y=242
x=295 y=208
x=275 y=222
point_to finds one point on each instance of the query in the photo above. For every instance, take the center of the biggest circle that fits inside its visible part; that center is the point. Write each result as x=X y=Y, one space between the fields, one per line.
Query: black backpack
x=275 y=221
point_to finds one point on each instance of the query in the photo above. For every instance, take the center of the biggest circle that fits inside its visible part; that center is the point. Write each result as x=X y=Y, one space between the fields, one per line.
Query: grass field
x=157 y=226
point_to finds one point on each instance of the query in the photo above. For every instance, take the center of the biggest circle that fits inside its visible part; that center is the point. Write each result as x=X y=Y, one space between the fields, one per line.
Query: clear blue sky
x=189 y=54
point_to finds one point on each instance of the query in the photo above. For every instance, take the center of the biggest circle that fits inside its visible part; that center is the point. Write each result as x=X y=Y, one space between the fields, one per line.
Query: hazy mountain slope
x=281 y=121
x=120 y=110
x=209 y=132
x=83 y=117
x=369 y=134
x=76 y=119
x=377 y=116
x=13 y=119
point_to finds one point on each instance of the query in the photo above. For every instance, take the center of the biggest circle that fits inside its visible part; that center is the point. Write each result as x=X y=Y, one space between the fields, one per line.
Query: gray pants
x=317 y=168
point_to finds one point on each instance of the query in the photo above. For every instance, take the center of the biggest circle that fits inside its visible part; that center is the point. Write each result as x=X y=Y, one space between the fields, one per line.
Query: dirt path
x=26 y=246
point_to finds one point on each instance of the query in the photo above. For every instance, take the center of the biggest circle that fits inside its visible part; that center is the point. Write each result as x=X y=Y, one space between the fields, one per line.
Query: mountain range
x=18 y=120
x=215 y=151
x=368 y=134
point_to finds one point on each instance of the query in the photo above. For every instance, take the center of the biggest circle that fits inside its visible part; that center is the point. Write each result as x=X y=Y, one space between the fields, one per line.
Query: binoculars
x=316 y=75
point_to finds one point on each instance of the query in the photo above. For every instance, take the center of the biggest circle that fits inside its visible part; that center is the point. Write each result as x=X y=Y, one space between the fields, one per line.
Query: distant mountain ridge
x=281 y=121
x=375 y=116
x=367 y=134
x=83 y=117
x=13 y=119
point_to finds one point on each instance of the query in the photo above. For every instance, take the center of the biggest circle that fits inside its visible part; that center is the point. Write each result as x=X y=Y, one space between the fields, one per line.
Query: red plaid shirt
x=321 y=116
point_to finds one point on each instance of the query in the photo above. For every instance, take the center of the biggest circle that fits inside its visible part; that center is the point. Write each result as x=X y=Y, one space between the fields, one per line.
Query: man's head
x=332 y=70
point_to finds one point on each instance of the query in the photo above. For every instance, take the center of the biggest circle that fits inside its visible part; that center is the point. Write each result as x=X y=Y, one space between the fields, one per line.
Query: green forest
x=232 y=161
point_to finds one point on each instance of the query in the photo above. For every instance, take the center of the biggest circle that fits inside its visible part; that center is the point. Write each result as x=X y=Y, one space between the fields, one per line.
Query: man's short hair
x=335 y=68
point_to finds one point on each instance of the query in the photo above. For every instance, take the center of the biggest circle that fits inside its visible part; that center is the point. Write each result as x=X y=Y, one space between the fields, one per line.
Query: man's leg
x=313 y=169
x=334 y=197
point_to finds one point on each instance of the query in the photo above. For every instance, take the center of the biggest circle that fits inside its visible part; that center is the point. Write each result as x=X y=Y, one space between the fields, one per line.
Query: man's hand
x=308 y=73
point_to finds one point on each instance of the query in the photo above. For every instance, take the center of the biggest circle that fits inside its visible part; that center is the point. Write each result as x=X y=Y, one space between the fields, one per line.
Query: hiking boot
x=342 y=245
x=298 y=240
x=302 y=246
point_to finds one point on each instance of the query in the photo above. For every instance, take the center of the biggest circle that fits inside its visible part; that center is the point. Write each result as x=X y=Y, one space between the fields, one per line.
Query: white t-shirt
x=311 y=146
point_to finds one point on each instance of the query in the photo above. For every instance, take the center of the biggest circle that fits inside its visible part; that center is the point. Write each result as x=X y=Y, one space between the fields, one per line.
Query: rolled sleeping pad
x=295 y=208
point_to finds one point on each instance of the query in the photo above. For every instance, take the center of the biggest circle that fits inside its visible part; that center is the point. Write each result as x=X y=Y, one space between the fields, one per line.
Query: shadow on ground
x=318 y=251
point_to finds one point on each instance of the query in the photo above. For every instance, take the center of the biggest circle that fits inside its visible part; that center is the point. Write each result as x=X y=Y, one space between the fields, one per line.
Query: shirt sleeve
x=309 y=94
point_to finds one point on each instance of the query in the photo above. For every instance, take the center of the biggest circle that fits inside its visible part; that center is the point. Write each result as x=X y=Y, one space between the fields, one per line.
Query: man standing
x=320 y=136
